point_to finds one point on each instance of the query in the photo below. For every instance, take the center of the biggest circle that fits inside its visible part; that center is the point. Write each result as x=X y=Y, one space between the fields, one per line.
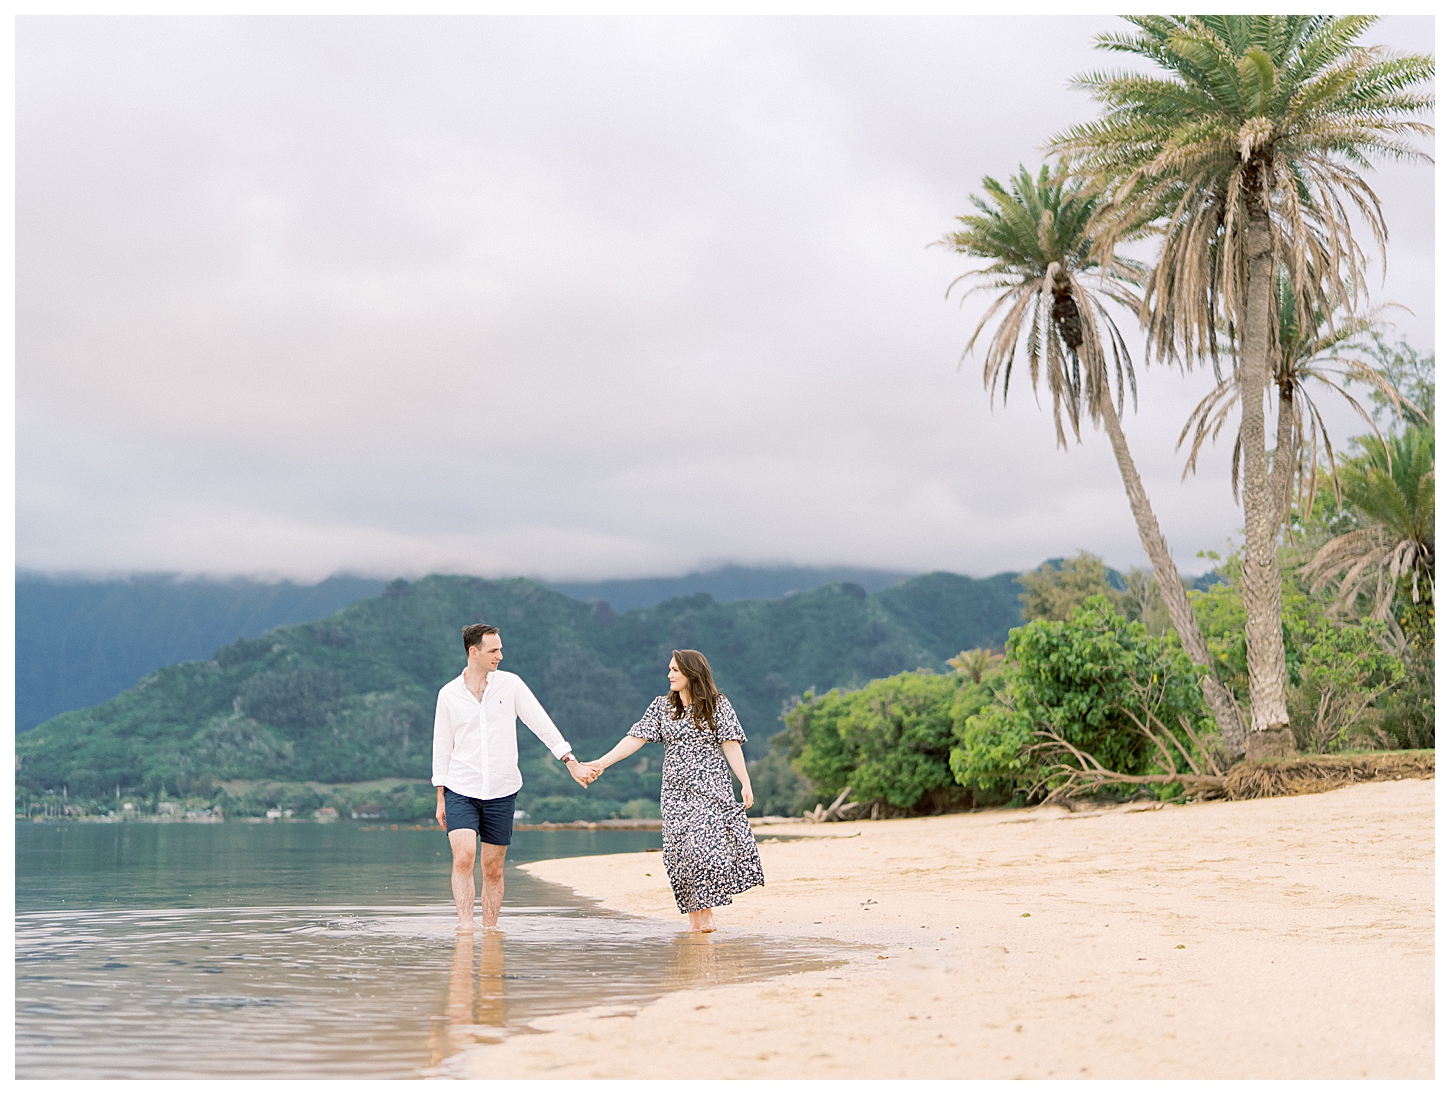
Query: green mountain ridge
x=727 y=583
x=350 y=697
x=170 y=618
x=63 y=663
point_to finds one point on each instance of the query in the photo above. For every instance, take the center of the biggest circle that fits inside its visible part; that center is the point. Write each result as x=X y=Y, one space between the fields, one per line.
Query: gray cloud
x=568 y=297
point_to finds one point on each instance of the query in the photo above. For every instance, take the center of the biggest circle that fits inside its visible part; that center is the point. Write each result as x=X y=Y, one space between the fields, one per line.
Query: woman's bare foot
x=702 y=921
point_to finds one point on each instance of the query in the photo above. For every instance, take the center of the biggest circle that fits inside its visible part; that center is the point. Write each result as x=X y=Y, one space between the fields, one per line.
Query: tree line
x=1240 y=157
x=350 y=697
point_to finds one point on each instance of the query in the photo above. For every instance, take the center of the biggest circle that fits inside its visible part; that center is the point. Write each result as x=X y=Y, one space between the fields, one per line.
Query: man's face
x=488 y=653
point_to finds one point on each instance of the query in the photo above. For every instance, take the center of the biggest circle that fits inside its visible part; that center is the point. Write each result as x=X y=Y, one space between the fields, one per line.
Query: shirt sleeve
x=651 y=725
x=727 y=722
x=537 y=719
x=442 y=741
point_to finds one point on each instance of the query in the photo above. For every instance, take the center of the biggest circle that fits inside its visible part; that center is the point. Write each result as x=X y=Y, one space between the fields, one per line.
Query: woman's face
x=678 y=681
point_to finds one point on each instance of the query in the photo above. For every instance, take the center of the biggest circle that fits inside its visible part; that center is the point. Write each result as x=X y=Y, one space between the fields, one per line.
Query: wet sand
x=1278 y=938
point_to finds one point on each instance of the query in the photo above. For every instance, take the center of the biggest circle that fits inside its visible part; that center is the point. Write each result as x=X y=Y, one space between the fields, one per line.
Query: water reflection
x=474 y=1004
x=695 y=959
x=348 y=989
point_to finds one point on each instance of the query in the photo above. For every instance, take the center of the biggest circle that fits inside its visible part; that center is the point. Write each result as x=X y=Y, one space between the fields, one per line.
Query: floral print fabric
x=709 y=849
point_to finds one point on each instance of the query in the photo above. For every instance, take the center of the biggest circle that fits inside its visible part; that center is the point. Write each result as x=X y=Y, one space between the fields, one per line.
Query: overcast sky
x=569 y=298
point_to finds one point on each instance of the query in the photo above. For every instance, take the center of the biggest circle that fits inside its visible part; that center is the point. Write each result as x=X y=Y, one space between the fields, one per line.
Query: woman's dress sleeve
x=727 y=722
x=651 y=724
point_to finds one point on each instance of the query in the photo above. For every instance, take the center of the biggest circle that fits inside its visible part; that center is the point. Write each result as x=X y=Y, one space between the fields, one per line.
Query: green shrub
x=889 y=742
x=992 y=738
x=1343 y=669
x=1408 y=720
x=1084 y=679
x=780 y=790
x=1346 y=688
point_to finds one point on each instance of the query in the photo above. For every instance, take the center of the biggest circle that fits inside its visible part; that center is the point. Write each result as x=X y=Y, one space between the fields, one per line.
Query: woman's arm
x=736 y=757
x=627 y=746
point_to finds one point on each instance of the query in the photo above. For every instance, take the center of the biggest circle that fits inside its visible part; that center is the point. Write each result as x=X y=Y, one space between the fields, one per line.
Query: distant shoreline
x=648 y=825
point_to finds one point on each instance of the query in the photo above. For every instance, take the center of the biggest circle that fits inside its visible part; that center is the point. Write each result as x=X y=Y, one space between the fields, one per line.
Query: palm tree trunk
x=1281 y=477
x=1269 y=734
x=1170 y=587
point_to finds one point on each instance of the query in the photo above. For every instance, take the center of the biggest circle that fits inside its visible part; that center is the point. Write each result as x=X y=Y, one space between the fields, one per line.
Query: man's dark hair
x=473 y=635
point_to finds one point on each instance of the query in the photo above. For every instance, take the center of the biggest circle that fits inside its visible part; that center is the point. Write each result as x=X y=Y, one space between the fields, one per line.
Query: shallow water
x=174 y=951
x=136 y=865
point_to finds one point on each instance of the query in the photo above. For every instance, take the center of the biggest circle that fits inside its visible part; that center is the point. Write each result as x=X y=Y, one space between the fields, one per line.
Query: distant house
x=371 y=812
x=167 y=808
x=327 y=813
x=274 y=812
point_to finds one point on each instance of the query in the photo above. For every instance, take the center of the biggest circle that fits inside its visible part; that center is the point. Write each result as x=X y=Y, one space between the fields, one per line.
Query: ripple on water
x=384 y=991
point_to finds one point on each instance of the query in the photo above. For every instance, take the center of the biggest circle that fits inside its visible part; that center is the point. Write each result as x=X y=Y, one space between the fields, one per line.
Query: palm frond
x=1054 y=292
x=1292 y=94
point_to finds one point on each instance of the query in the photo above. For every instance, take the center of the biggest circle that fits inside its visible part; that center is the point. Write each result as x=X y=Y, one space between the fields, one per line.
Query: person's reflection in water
x=488 y=1007
x=474 y=1001
x=696 y=960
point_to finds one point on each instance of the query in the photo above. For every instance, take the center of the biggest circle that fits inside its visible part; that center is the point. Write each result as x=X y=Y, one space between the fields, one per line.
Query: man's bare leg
x=464 y=842
x=491 y=860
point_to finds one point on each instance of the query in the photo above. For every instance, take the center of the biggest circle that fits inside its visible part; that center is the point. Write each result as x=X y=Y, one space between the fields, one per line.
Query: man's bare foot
x=470 y=928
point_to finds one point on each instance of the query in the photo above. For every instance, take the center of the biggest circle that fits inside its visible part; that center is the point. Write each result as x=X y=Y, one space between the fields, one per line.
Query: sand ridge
x=1276 y=938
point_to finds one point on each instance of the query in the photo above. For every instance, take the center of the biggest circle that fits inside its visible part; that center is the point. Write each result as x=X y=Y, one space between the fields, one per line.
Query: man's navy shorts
x=491 y=818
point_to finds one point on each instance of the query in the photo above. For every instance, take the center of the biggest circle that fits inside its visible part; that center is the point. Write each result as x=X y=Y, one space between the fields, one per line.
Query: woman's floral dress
x=709 y=849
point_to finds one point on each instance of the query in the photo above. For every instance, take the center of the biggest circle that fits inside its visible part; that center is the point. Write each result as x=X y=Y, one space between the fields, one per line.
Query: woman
x=709 y=849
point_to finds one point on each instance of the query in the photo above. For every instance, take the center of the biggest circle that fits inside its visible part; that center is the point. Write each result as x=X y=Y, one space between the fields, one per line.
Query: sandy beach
x=1276 y=938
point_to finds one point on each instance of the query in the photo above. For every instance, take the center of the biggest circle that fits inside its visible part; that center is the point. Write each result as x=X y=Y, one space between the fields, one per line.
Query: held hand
x=584 y=774
x=442 y=814
x=747 y=796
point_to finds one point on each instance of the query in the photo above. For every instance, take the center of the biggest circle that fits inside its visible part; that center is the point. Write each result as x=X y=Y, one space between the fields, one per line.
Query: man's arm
x=442 y=751
x=528 y=708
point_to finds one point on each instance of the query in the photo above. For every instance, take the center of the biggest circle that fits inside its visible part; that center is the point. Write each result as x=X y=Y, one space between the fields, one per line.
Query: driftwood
x=829 y=813
x=841 y=810
x=1082 y=773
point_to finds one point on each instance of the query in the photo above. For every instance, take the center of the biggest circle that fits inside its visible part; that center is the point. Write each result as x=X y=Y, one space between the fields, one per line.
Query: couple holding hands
x=709 y=850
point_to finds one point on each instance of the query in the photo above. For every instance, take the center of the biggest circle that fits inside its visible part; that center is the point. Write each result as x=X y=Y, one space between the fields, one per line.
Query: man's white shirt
x=475 y=742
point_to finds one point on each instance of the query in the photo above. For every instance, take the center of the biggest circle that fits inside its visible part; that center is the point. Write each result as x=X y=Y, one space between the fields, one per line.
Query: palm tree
x=1392 y=490
x=1329 y=355
x=1034 y=234
x=974 y=663
x=1247 y=155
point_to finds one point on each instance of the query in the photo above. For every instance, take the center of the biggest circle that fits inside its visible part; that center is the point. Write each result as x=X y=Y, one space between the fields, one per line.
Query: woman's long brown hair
x=702 y=687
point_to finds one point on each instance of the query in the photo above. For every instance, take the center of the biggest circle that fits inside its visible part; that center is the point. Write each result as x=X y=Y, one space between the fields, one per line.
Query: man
x=476 y=766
